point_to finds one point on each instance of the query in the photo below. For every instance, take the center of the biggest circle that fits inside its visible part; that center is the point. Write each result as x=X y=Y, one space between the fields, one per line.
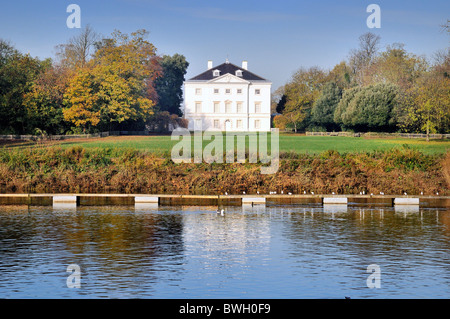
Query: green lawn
x=318 y=144
x=287 y=143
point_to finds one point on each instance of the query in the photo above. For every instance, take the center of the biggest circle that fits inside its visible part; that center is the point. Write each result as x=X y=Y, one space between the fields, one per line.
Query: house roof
x=225 y=68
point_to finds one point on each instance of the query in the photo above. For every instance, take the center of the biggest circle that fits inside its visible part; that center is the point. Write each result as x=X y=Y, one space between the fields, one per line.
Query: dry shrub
x=130 y=171
x=446 y=168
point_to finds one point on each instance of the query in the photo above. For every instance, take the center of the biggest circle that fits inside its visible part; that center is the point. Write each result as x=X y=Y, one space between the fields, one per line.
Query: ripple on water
x=282 y=252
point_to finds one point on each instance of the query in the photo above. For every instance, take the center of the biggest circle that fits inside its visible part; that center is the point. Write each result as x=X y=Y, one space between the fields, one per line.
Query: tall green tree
x=322 y=113
x=281 y=104
x=368 y=108
x=17 y=74
x=169 y=85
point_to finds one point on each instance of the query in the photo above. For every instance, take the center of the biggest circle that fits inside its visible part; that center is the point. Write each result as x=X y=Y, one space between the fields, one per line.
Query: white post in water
x=146 y=202
x=335 y=200
x=65 y=201
x=406 y=201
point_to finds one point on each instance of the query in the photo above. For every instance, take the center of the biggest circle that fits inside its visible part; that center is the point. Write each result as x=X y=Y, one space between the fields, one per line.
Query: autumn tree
x=116 y=85
x=44 y=102
x=301 y=92
x=397 y=66
x=341 y=74
x=442 y=63
x=429 y=111
x=360 y=59
x=294 y=117
x=82 y=101
x=79 y=49
x=279 y=121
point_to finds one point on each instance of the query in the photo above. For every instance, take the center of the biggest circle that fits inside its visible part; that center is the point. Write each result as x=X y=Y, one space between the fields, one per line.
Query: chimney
x=244 y=65
x=210 y=65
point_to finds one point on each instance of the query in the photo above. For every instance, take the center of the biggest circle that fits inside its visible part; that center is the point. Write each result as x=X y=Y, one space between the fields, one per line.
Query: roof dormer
x=216 y=73
x=238 y=73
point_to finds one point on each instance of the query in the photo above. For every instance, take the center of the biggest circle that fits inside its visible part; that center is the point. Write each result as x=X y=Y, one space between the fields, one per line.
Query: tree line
x=386 y=91
x=119 y=82
x=94 y=84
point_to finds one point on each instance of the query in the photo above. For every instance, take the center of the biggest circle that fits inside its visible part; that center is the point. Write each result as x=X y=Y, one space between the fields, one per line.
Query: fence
x=119 y=133
x=52 y=137
x=375 y=134
x=69 y=137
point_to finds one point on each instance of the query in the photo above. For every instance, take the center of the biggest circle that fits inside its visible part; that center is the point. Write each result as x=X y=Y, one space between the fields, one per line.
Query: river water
x=249 y=252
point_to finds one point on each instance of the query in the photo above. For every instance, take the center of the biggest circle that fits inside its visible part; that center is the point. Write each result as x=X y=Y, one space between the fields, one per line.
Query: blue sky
x=275 y=37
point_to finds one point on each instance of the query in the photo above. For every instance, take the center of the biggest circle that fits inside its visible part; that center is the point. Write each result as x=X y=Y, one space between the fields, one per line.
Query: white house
x=229 y=98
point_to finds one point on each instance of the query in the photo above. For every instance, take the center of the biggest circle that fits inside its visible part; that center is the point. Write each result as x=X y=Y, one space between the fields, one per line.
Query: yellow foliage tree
x=432 y=98
x=114 y=86
x=81 y=97
x=279 y=121
x=301 y=92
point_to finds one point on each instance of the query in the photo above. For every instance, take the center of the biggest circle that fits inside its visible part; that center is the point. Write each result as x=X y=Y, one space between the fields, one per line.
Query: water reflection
x=407 y=208
x=249 y=252
x=225 y=243
x=331 y=208
x=65 y=206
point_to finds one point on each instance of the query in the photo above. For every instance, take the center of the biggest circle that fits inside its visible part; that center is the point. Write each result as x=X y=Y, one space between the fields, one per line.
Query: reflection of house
x=228 y=97
x=231 y=238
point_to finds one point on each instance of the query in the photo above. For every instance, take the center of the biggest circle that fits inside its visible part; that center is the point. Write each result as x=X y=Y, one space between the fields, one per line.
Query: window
x=239 y=91
x=216 y=107
x=239 y=123
x=257 y=107
x=228 y=107
x=239 y=108
x=257 y=124
x=216 y=91
x=257 y=91
x=216 y=73
x=216 y=124
x=227 y=91
x=198 y=91
x=238 y=73
x=198 y=107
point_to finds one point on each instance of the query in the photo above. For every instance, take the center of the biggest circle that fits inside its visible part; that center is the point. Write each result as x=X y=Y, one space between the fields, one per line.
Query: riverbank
x=128 y=171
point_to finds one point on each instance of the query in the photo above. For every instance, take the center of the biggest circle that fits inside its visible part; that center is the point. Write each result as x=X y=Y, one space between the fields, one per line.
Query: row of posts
x=330 y=203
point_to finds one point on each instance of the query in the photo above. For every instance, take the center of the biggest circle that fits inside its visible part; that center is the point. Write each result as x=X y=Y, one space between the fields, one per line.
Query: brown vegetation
x=57 y=170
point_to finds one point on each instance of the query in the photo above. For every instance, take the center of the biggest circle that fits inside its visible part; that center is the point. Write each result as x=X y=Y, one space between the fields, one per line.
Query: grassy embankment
x=343 y=165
